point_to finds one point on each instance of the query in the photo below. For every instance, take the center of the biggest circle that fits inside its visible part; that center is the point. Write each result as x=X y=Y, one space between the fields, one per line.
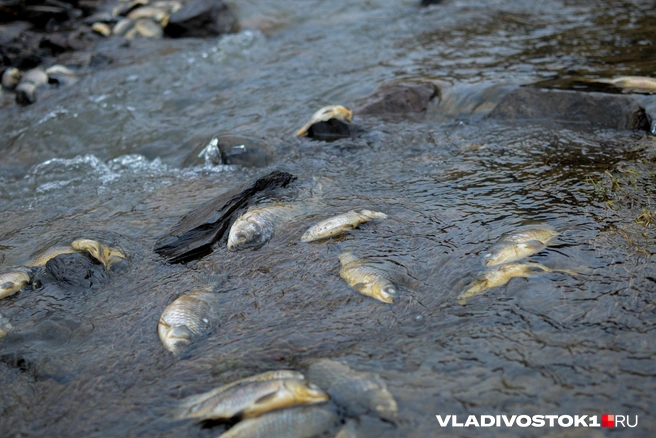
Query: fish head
x=247 y=234
x=384 y=404
x=383 y=291
x=176 y=338
x=305 y=392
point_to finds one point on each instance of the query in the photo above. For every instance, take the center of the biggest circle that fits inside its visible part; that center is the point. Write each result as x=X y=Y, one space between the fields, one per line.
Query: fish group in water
x=511 y=247
x=22 y=276
x=25 y=84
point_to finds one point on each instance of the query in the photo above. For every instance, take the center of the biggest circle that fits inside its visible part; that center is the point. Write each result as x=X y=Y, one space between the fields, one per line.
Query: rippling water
x=114 y=158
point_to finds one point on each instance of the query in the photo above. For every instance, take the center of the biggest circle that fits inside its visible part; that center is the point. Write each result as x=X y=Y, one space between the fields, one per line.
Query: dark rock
x=78 y=270
x=397 y=98
x=330 y=130
x=63 y=42
x=243 y=155
x=193 y=237
x=572 y=107
x=201 y=18
x=430 y=2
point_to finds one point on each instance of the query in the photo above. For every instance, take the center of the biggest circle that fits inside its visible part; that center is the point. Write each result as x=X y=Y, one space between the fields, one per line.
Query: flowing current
x=116 y=157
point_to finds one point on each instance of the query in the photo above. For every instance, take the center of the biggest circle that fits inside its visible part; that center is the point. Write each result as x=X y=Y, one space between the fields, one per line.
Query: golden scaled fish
x=635 y=84
x=340 y=224
x=251 y=399
x=519 y=244
x=257 y=226
x=42 y=257
x=190 y=402
x=188 y=316
x=503 y=274
x=299 y=422
x=12 y=282
x=326 y=113
x=357 y=392
x=366 y=278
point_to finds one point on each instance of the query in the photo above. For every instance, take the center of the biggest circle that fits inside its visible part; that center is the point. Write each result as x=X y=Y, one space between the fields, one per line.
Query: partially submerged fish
x=519 y=244
x=636 y=84
x=251 y=399
x=257 y=226
x=299 y=422
x=26 y=88
x=366 y=278
x=103 y=254
x=12 y=282
x=340 y=224
x=41 y=258
x=188 y=316
x=11 y=77
x=503 y=274
x=324 y=114
x=357 y=392
x=189 y=403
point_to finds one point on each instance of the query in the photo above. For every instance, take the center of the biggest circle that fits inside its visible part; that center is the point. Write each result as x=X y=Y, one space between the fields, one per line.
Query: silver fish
x=366 y=278
x=251 y=399
x=503 y=274
x=186 y=317
x=12 y=282
x=257 y=226
x=357 y=392
x=519 y=244
x=326 y=113
x=299 y=422
x=11 y=77
x=340 y=224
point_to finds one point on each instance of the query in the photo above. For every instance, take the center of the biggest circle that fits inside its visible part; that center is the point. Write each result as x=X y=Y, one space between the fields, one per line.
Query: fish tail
x=373 y=214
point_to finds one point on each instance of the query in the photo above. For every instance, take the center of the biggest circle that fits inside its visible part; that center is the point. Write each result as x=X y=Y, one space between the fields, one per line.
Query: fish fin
x=266 y=398
x=534 y=245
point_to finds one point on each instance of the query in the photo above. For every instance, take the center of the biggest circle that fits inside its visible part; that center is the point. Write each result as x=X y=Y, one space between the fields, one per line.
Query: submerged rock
x=200 y=19
x=332 y=129
x=588 y=109
x=77 y=269
x=397 y=98
x=194 y=235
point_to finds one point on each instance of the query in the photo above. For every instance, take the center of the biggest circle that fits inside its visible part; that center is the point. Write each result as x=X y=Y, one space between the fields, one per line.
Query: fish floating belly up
x=340 y=224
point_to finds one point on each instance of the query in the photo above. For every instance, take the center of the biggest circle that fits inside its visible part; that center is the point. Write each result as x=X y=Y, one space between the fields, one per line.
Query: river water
x=113 y=157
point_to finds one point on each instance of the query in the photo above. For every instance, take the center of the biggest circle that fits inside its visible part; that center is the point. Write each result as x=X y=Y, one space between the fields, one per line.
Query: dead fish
x=12 y=282
x=188 y=316
x=147 y=28
x=636 y=84
x=299 y=422
x=340 y=224
x=26 y=88
x=11 y=77
x=60 y=75
x=189 y=403
x=324 y=114
x=503 y=274
x=5 y=326
x=171 y=6
x=101 y=29
x=122 y=27
x=257 y=226
x=357 y=392
x=251 y=399
x=519 y=244
x=41 y=258
x=161 y=16
x=366 y=278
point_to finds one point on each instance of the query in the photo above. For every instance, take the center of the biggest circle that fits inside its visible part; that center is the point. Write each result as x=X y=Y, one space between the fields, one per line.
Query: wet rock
x=330 y=130
x=571 y=107
x=397 y=98
x=77 y=270
x=61 y=42
x=202 y=18
x=430 y=2
x=193 y=237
